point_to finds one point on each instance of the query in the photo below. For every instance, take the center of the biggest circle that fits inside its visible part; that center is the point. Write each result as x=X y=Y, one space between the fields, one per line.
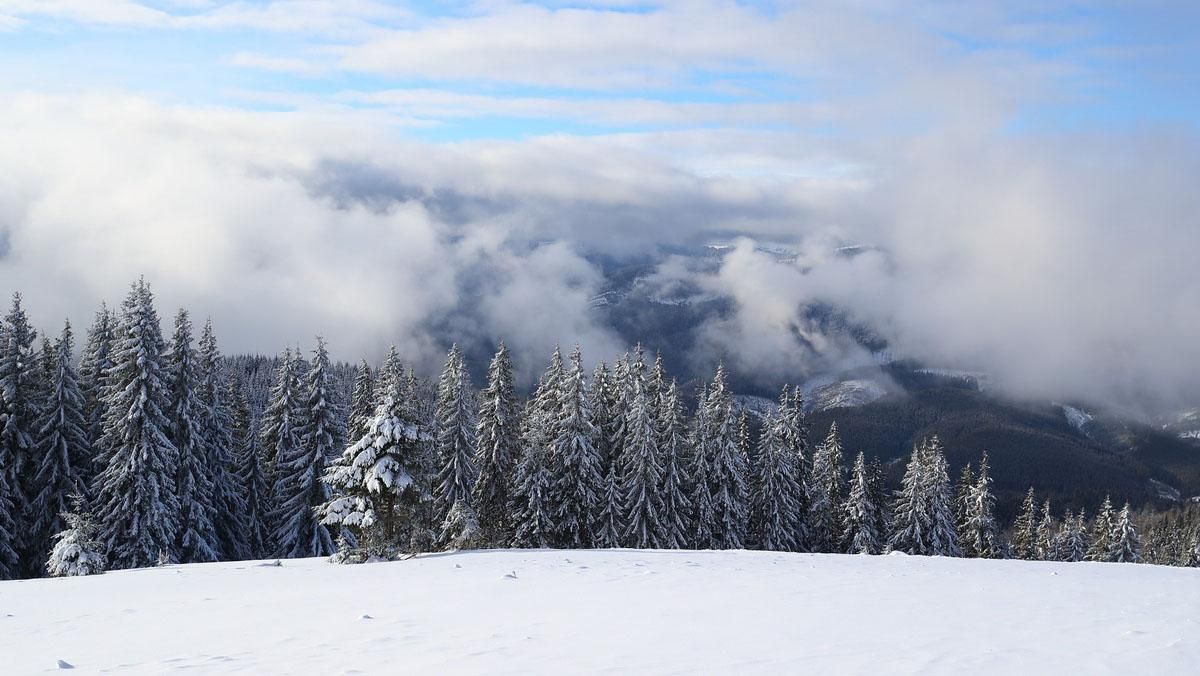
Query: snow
x=1077 y=418
x=620 y=611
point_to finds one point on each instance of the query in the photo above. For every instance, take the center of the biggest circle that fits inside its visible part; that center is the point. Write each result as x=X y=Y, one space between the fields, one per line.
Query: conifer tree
x=607 y=533
x=62 y=446
x=963 y=494
x=197 y=537
x=248 y=474
x=136 y=502
x=924 y=519
x=943 y=536
x=862 y=514
x=1072 y=541
x=672 y=444
x=9 y=560
x=795 y=428
x=533 y=523
x=217 y=424
x=1126 y=546
x=702 y=497
x=455 y=438
x=460 y=530
x=362 y=402
x=281 y=422
x=498 y=439
x=392 y=379
x=726 y=468
x=1102 y=533
x=575 y=464
x=18 y=411
x=77 y=549
x=980 y=535
x=1024 y=539
x=825 y=494
x=603 y=397
x=299 y=488
x=641 y=473
x=775 y=506
x=1045 y=536
x=94 y=364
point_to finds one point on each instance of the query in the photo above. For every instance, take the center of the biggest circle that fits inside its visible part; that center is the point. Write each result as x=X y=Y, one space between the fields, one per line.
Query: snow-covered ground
x=617 y=612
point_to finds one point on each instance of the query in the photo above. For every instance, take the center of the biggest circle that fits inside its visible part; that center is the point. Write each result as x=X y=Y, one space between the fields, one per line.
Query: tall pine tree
x=778 y=521
x=498 y=445
x=574 y=462
x=197 y=533
x=455 y=438
x=862 y=513
x=825 y=490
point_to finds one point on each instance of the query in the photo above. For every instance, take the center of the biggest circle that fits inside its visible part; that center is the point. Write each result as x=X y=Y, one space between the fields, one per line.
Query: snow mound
x=614 y=611
x=845 y=394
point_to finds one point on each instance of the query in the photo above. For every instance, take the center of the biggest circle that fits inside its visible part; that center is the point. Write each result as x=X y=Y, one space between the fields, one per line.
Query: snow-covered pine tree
x=247 y=473
x=137 y=505
x=18 y=411
x=10 y=562
x=299 y=488
x=77 y=549
x=825 y=490
x=197 y=536
x=602 y=400
x=498 y=445
x=1103 y=528
x=62 y=445
x=963 y=494
x=574 y=462
x=391 y=379
x=672 y=445
x=1024 y=538
x=878 y=488
x=704 y=518
x=943 y=536
x=795 y=427
x=362 y=402
x=778 y=523
x=533 y=523
x=94 y=363
x=217 y=423
x=980 y=534
x=1072 y=538
x=378 y=491
x=861 y=513
x=726 y=467
x=913 y=521
x=641 y=473
x=1125 y=545
x=455 y=437
x=1046 y=535
x=460 y=530
x=279 y=429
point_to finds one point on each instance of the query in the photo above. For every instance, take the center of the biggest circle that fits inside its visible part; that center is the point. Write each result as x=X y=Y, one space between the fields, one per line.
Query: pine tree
x=197 y=537
x=963 y=494
x=862 y=512
x=775 y=507
x=281 y=422
x=979 y=531
x=62 y=447
x=943 y=536
x=533 y=523
x=299 y=488
x=18 y=410
x=217 y=424
x=702 y=497
x=1024 y=539
x=574 y=462
x=77 y=549
x=136 y=502
x=362 y=402
x=1102 y=533
x=392 y=378
x=1126 y=546
x=726 y=468
x=1072 y=541
x=498 y=440
x=248 y=474
x=672 y=444
x=9 y=560
x=460 y=530
x=94 y=365
x=1045 y=536
x=379 y=490
x=825 y=491
x=924 y=518
x=641 y=473
x=455 y=438
x=795 y=438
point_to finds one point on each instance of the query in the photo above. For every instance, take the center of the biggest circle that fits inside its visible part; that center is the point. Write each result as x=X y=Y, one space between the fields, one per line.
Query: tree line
x=145 y=451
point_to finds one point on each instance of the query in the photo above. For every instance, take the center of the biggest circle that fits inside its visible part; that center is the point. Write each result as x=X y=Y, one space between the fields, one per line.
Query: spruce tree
x=1103 y=528
x=1024 y=538
x=963 y=494
x=861 y=513
x=299 y=488
x=197 y=537
x=795 y=428
x=641 y=473
x=1125 y=545
x=391 y=379
x=248 y=474
x=62 y=447
x=704 y=515
x=18 y=410
x=672 y=444
x=136 y=501
x=980 y=536
x=1072 y=541
x=825 y=491
x=726 y=468
x=460 y=530
x=778 y=523
x=217 y=424
x=533 y=523
x=498 y=446
x=77 y=549
x=943 y=536
x=574 y=462
x=1045 y=536
x=362 y=402
x=910 y=523
x=455 y=438
x=94 y=363
x=9 y=560
x=280 y=426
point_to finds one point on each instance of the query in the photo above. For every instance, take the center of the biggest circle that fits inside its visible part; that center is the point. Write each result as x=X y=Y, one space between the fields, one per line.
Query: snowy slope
x=624 y=611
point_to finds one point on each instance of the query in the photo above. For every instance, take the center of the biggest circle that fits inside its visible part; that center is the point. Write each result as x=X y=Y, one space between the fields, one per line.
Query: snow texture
x=614 y=611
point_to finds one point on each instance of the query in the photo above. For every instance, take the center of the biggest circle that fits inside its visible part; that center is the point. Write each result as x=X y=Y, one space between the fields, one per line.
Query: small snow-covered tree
x=1046 y=535
x=943 y=536
x=1024 y=538
x=136 y=499
x=672 y=444
x=726 y=467
x=77 y=549
x=962 y=499
x=980 y=535
x=248 y=474
x=575 y=463
x=216 y=421
x=279 y=428
x=1072 y=539
x=1125 y=546
x=778 y=523
x=498 y=445
x=641 y=475
x=94 y=363
x=862 y=513
x=704 y=517
x=1103 y=528
x=19 y=394
x=460 y=530
x=197 y=536
x=455 y=437
x=924 y=514
x=825 y=490
x=533 y=521
x=362 y=401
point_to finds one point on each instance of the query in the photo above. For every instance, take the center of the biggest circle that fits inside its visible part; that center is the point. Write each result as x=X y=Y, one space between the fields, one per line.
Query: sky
x=1025 y=172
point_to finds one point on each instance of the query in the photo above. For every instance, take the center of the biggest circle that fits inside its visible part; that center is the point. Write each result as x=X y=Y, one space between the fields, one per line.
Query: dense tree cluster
x=151 y=449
